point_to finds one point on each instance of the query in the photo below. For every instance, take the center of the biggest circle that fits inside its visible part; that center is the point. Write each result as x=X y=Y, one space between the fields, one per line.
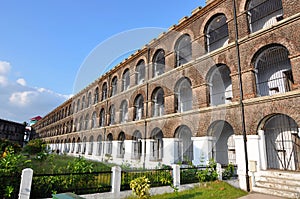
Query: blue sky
x=44 y=43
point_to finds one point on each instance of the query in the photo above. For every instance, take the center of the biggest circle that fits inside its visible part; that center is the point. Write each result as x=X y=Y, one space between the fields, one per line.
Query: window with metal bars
x=140 y=72
x=158 y=63
x=183 y=50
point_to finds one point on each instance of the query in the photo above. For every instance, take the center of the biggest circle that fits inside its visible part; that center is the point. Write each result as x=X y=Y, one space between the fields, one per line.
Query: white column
x=240 y=161
x=168 y=151
x=176 y=175
x=202 y=149
x=116 y=181
x=262 y=150
x=25 y=186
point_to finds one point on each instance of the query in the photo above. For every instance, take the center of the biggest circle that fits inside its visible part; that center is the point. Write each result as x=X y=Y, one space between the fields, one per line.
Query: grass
x=59 y=163
x=216 y=189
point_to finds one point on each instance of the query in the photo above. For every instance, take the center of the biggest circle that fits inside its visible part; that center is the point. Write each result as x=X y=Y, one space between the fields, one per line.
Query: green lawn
x=213 y=190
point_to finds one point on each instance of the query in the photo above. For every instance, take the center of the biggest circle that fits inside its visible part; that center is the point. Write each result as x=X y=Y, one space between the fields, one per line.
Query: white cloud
x=4 y=67
x=19 y=102
x=21 y=81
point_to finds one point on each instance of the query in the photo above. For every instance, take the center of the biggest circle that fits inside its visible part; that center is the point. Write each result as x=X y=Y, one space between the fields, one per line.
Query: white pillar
x=25 y=186
x=219 y=171
x=116 y=181
x=176 y=175
x=262 y=150
x=202 y=149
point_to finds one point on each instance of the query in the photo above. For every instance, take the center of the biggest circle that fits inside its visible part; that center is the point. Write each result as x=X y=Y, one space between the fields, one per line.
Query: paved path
x=259 y=196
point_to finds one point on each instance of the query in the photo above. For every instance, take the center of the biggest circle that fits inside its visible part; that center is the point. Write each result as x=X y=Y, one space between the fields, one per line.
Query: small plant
x=208 y=174
x=228 y=172
x=141 y=187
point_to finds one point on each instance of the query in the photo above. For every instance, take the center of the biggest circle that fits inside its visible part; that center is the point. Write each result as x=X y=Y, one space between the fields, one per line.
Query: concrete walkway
x=260 y=196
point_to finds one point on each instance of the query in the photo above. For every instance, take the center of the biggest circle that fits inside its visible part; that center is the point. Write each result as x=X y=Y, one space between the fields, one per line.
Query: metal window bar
x=273 y=86
x=218 y=34
x=264 y=9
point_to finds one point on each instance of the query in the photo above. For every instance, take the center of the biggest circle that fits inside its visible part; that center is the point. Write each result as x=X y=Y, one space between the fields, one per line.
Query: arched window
x=216 y=33
x=114 y=86
x=273 y=71
x=183 y=95
x=75 y=125
x=183 y=50
x=89 y=99
x=123 y=111
x=125 y=80
x=219 y=81
x=156 y=145
x=263 y=13
x=96 y=95
x=86 y=122
x=140 y=72
x=78 y=149
x=99 y=145
x=94 y=120
x=158 y=102
x=73 y=145
x=138 y=107
x=109 y=144
x=83 y=103
x=136 y=145
x=111 y=119
x=184 y=144
x=78 y=105
x=81 y=123
x=104 y=91
x=158 y=63
x=121 y=145
x=102 y=118
x=91 y=144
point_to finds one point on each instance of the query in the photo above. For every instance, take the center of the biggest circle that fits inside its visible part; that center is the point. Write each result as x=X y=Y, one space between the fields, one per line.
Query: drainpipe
x=241 y=94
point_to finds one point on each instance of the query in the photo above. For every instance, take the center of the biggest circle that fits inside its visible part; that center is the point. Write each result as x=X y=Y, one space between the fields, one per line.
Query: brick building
x=12 y=131
x=179 y=99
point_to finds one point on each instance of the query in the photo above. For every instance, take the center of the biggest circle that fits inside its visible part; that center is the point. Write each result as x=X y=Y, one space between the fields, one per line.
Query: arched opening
x=94 y=120
x=138 y=107
x=109 y=140
x=140 y=72
x=282 y=142
x=158 y=63
x=91 y=144
x=114 y=86
x=220 y=85
x=99 y=145
x=121 y=145
x=104 y=91
x=123 y=111
x=223 y=149
x=89 y=99
x=184 y=145
x=183 y=95
x=216 y=33
x=158 y=102
x=84 y=145
x=156 y=145
x=96 y=95
x=102 y=118
x=183 y=50
x=273 y=71
x=111 y=118
x=136 y=145
x=125 y=80
x=263 y=13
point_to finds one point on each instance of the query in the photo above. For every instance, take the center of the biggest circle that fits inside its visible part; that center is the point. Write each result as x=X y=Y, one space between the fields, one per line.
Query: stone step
x=279 y=186
x=276 y=192
x=291 y=182
x=294 y=175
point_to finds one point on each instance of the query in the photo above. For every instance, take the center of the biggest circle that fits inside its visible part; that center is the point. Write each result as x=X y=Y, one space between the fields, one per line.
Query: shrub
x=228 y=173
x=141 y=187
x=208 y=174
x=35 y=146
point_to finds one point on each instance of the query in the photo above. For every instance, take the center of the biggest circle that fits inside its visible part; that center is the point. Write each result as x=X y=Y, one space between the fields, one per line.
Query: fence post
x=116 y=181
x=219 y=171
x=176 y=175
x=25 y=186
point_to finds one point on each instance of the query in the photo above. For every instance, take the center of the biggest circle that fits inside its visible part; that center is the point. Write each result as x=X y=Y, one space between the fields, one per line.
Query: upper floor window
x=216 y=33
x=183 y=50
x=77 y=106
x=125 y=80
x=220 y=86
x=158 y=63
x=114 y=86
x=102 y=118
x=123 y=111
x=83 y=103
x=263 y=13
x=140 y=72
x=94 y=120
x=111 y=119
x=89 y=99
x=104 y=91
x=273 y=71
x=183 y=95
x=96 y=95
x=81 y=123
x=138 y=107
x=158 y=102
x=86 y=122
